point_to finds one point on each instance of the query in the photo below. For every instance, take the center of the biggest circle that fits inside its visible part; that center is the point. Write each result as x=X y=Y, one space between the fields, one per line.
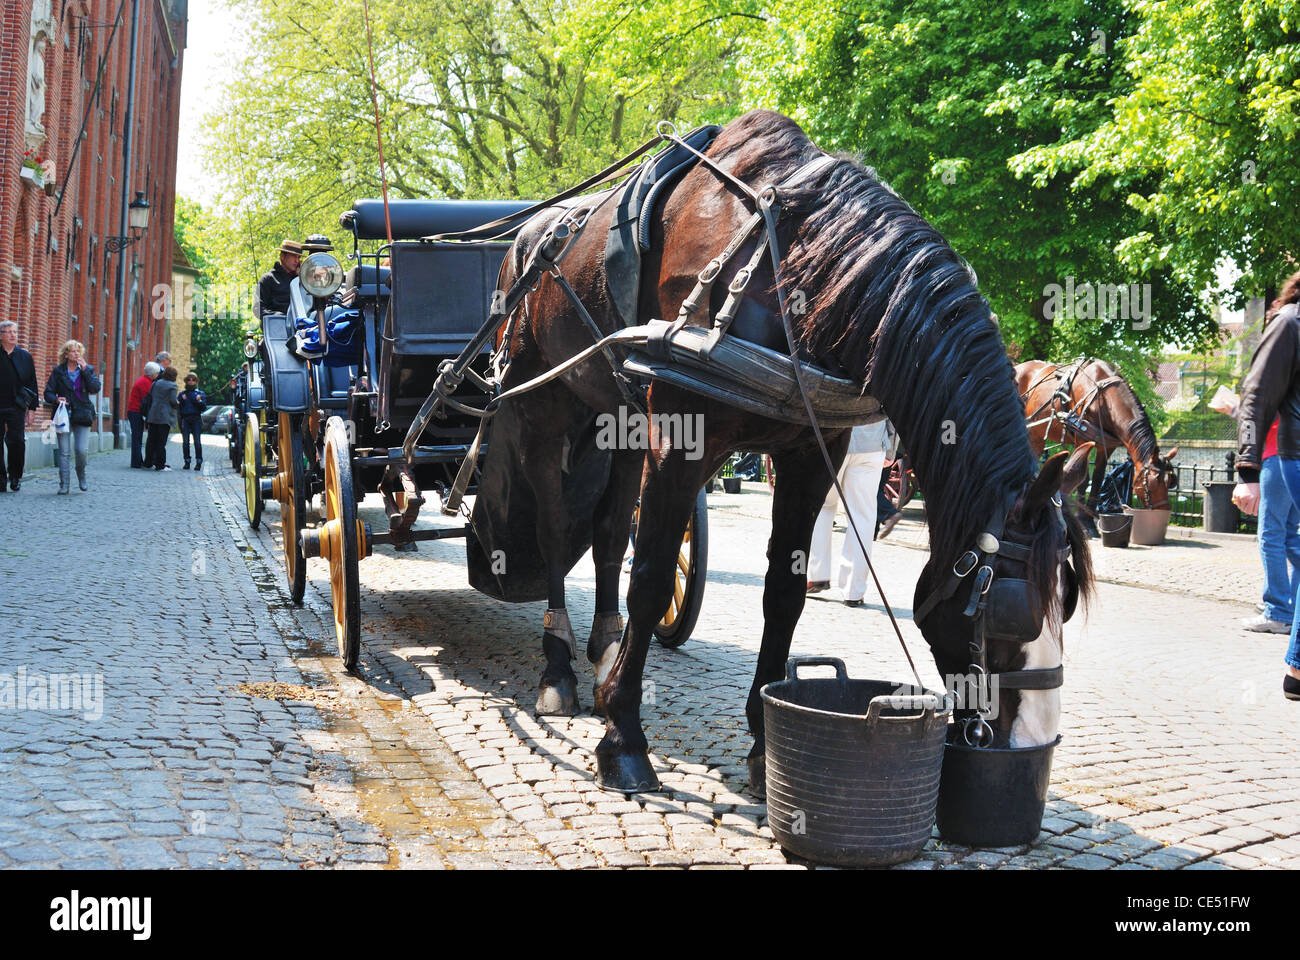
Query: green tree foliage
x=477 y=98
x=1201 y=146
x=940 y=97
x=220 y=314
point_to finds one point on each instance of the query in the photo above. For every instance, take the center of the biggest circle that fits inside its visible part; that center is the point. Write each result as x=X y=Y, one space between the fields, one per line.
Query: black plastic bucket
x=1114 y=529
x=993 y=797
x=852 y=765
x=1221 y=514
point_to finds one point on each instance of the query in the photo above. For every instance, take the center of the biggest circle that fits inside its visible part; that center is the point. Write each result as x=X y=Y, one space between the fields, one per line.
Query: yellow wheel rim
x=333 y=527
x=251 y=462
x=683 y=575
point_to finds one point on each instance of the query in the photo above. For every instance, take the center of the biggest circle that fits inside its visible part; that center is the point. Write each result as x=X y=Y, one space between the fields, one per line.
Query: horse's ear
x=1171 y=454
x=1076 y=468
x=1045 y=486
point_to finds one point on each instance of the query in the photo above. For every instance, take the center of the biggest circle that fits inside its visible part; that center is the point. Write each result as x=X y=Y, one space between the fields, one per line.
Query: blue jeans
x=1279 y=543
x=1291 y=475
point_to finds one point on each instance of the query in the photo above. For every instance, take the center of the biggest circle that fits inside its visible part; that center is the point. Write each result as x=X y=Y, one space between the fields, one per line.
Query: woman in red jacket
x=139 y=390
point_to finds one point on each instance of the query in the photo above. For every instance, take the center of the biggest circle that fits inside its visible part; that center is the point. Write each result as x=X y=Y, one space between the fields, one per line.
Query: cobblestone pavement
x=1176 y=746
x=230 y=736
x=222 y=738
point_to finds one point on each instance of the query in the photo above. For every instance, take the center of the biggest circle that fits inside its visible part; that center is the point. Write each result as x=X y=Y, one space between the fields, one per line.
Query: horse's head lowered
x=1153 y=481
x=998 y=612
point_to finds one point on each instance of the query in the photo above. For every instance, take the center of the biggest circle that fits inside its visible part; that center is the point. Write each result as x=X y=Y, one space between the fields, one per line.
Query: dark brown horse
x=1089 y=401
x=889 y=305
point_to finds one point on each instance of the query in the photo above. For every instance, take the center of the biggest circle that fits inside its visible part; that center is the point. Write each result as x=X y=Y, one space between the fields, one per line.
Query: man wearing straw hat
x=273 y=288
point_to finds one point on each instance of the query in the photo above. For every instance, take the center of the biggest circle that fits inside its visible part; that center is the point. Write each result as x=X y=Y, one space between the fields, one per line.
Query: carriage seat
x=333 y=384
x=369 y=280
x=413 y=219
x=629 y=231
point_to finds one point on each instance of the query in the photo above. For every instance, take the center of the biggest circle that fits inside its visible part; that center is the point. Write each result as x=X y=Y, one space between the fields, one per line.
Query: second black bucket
x=852 y=765
x=992 y=797
x=1114 y=529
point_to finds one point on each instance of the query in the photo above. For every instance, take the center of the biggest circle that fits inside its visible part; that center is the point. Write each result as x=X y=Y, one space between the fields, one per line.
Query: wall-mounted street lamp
x=138 y=218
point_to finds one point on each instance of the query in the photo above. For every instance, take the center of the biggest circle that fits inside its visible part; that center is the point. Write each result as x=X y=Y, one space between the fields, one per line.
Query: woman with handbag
x=71 y=385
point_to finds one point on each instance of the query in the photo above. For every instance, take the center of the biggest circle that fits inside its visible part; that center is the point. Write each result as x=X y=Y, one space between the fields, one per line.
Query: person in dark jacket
x=18 y=398
x=1272 y=390
x=139 y=390
x=162 y=411
x=71 y=385
x=273 y=288
x=192 y=402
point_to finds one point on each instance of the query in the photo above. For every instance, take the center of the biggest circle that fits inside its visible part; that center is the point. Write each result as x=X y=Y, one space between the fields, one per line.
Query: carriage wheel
x=252 y=469
x=235 y=442
x=688 y=586
x=342 y=540
x=899 y=488
x=290 y=488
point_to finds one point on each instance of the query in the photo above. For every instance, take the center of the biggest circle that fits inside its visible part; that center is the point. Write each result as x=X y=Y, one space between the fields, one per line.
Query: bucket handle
x=902 y=701
x=794 y=663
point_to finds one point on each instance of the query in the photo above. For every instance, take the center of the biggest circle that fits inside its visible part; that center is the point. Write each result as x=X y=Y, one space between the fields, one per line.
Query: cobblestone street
x=230 y=736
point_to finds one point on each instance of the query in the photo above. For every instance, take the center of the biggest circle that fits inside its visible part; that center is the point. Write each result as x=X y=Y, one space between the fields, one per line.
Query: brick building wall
x=57 y=276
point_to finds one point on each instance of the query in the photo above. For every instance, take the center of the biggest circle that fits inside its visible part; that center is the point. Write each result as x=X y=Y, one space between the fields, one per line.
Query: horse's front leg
x=801 y=486
x=612 y=522
x=622 y=761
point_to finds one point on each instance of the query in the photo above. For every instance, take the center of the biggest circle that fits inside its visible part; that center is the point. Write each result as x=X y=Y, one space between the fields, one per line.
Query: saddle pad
x=629 y=232
x=751 y=377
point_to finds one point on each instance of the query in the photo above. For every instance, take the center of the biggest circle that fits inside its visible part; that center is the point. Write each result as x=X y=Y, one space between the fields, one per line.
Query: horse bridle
x=1003 y=608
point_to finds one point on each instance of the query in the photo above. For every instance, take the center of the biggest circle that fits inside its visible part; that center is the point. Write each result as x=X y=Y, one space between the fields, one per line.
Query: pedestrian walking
x=1271 y=391
x=18 y=398
x=192 y=402
x=860 y=479
x=71 y=385
x=162 y=410
x=135 y=411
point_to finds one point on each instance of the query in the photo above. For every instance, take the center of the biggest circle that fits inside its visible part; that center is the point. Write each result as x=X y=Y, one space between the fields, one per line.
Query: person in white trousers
x=860 y=478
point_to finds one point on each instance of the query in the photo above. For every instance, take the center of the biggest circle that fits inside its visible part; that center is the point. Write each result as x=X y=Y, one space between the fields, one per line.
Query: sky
x=211 y=50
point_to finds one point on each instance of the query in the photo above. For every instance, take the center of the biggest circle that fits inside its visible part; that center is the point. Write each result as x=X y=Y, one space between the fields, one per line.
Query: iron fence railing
x=1187 y=502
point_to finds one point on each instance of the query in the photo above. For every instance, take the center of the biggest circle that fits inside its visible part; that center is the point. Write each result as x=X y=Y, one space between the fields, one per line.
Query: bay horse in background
x=890 y=306
x=1089 y=402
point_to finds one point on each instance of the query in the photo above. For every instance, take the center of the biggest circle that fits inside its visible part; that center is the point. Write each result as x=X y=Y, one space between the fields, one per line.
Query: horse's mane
x=1139 y=429
x=891 y=304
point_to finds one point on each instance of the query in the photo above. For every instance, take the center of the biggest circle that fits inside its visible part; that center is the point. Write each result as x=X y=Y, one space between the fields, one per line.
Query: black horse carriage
x=333 y=387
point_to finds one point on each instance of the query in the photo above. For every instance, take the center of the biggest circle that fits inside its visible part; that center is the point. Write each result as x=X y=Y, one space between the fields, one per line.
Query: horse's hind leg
x=801 y=486
x=543 y=456
x=613 y=520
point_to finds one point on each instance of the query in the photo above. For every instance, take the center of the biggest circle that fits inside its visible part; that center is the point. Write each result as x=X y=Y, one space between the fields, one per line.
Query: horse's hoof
x=558 y=699
x=625 y=772
x=758 y=776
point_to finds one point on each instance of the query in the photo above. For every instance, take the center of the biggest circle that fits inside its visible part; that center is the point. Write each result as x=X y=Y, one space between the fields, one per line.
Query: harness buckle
x=739 y=281
x=974 y=559
x=984 y=579
x=710 y=271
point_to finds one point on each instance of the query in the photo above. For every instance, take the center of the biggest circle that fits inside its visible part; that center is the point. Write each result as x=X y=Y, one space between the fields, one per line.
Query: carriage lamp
x=137 y=218
x=321 y=274
x=250 y=348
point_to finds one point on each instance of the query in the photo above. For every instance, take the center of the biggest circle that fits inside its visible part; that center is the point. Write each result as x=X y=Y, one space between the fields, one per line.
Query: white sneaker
x=1263 y=624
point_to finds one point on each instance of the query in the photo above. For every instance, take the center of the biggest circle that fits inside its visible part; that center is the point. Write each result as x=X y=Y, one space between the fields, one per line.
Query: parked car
x=217 y=419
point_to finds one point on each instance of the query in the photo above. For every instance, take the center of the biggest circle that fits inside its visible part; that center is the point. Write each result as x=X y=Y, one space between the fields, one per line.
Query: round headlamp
x=321 y=274
x=250 y=348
